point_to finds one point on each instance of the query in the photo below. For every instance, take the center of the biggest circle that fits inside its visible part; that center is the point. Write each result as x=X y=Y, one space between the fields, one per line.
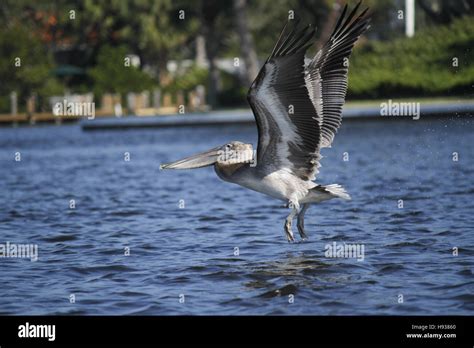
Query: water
x=190 y=251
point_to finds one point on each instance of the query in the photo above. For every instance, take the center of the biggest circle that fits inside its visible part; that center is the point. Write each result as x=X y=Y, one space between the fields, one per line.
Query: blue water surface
x=201 y=246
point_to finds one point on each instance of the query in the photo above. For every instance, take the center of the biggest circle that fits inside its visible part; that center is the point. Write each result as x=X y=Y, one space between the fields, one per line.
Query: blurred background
x=148 y=57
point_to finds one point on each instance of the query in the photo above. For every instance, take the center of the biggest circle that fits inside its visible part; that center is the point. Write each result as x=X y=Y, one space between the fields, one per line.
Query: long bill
x=200 y=160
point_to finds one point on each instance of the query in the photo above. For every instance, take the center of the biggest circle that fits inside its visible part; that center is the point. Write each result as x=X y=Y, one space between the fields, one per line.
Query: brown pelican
x=297 y=104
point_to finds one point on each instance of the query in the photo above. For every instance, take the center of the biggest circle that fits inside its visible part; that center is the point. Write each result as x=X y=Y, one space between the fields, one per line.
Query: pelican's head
x=232 y=153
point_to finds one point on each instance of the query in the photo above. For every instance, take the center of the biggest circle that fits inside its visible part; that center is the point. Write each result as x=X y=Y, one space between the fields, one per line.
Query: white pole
x=13 y=103
x=410 y=18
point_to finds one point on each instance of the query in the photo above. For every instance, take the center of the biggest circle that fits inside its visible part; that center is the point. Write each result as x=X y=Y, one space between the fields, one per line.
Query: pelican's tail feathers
x=337 y=191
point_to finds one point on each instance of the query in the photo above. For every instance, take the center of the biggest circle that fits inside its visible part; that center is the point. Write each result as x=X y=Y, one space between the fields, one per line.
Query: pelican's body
x=280 y=184
x=297 y=104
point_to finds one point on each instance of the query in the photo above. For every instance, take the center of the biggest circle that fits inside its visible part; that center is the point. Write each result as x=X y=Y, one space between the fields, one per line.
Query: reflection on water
x=190 y=250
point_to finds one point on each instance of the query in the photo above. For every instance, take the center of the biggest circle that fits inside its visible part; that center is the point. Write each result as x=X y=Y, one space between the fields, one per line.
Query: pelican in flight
x=297 y=104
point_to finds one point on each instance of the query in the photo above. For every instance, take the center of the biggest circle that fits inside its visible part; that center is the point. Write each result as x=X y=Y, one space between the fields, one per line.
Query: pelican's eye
x=228 y=152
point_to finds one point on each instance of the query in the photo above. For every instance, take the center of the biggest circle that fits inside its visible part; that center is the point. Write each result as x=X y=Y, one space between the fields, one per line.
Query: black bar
x=258 y=330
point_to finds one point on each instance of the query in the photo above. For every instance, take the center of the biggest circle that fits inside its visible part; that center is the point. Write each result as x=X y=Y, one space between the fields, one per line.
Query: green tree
x=114 y=74
x=154 y=30
x=25 y=65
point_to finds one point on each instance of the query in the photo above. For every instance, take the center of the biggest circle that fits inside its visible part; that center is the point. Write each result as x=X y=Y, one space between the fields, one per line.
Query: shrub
x=418 y=66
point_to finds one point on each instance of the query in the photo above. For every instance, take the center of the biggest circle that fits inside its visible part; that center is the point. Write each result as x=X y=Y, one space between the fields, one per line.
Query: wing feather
x=327 y=72
x=298 y=105
x=289 y=136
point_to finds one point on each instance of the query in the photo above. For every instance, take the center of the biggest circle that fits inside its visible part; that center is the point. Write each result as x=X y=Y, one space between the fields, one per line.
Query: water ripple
x=223 y=247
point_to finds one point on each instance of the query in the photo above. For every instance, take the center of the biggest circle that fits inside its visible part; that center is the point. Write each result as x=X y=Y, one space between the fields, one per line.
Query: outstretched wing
x=326 y=74
x=288 y=125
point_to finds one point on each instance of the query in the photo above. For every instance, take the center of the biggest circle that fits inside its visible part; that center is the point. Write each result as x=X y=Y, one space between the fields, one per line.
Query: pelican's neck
x=227 y=171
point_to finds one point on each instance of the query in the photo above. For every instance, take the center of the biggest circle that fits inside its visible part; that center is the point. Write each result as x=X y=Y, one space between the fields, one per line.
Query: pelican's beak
x=197 y=161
